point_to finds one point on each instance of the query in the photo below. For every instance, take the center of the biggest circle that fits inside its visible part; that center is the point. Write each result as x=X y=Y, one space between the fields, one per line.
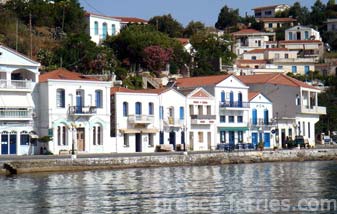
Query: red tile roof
x=191 y=82
x=249 y=61
x=246 y=31
x=300 y=41
x=63 y=74
x=267 y=49
x=272 y=19
x=183 y=41
x=266 y=7
x=278 y=79
x=256 y=51
x=252 y=95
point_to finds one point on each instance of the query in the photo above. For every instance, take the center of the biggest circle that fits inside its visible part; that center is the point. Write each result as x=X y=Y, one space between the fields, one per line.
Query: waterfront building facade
x=18 y=78
x=74 y=110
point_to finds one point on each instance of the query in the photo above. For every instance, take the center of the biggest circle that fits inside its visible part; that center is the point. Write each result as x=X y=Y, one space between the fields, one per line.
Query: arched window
x=24 y=138
x=60 y=98
x=138 y=108
x=151 y=108
x=105 y=30
x=254 y=117
x=97 y=134
x=62 y=135
x=99 y=98
x=96 y=27
x=240 y=99
x=125 y=109
x=113 y=30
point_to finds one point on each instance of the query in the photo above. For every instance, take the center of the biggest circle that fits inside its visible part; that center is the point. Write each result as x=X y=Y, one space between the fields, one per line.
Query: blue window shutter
x=161 y=112
x=306 y=69
x=96 y=28
x=181 y=115
x=231 y=99
x=138 y=108
x=254 y=116
x=98 y=96
x=294 y=69
x=222 y=96
x=113 y=29
x=266 y=116
x=125 y=109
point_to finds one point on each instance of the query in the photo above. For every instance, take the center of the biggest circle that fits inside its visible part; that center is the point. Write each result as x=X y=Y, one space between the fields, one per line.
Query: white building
x=271 y=24
x=269 y=11
x=295 y=105
x=18 y=77
x=302 y=33
x=101 y=26
x=75 y=111
x=261 y=121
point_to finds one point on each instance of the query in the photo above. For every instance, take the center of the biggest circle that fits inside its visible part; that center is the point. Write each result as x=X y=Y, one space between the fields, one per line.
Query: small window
x=309 y=133
x=240 y=119
x=138 y=108
x=280 y=67
x=270 y=25
x=113 y=30
x=181 y=113
x=253 y=57
x=105 y=30
x=60 y=98
x=286 y=56
x=306 y=35
x=240 y=136
x=151 y=108
x=294 y=69
x=24 y=138
x=231 y=119
x=126 y=140
x=125 y=109
x=201 y=137
x=222 y=119
x=96 y=27
x=99 y=98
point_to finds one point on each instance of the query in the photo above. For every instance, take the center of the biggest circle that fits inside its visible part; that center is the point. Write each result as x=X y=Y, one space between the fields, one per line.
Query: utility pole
x=31 y=36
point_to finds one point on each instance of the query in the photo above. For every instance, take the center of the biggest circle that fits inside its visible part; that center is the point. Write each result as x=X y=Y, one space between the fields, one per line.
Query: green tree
x=227 y=18
x=317 y=15
x=192 y=28
x=167 y=24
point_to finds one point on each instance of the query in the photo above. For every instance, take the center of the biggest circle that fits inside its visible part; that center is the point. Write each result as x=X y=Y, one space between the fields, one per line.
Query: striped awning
x=233 y=128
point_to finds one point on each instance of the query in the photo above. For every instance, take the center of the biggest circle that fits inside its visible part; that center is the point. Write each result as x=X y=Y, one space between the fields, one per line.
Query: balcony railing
x=15 y=84
x=311 y=109
x=82 y=110
x=175 y=122
x=15 y=113
x=235 y=104
x=141 y=119
x=260 y=123
x=203 y=117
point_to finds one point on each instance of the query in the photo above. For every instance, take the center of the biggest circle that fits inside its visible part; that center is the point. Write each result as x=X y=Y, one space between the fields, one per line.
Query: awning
x=149 y=131
x=233 y=128
x=11 y=100
x=134 y=131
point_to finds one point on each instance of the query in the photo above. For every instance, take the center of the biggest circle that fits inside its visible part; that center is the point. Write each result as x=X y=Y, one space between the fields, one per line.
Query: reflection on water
x=205 y=189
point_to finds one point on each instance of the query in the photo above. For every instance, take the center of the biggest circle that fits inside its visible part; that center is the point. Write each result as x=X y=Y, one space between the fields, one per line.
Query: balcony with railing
x=140 y=119
x=234 y=105
x=15 y=114
x=15 y=84
x=304 y=109
x=203 y=119
x=261 y=123
x=173 y=122
x=82 y=110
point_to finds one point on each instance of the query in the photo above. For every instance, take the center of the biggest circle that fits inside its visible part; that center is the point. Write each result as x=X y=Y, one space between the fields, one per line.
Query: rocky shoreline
x=179 y=159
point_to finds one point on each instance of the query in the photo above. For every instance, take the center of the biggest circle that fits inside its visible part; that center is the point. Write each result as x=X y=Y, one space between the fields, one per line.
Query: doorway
x=80 y=139
x=4 y=143
x=173 y=139
x=138 y=142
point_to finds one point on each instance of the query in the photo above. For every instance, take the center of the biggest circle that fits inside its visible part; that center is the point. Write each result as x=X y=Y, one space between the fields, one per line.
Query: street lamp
x=73 y=129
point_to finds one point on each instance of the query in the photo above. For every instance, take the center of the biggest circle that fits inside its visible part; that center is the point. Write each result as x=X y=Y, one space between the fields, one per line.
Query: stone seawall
x=179 y=159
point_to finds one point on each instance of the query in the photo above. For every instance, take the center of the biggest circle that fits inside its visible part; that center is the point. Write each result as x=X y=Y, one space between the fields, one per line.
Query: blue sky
x=184 y=11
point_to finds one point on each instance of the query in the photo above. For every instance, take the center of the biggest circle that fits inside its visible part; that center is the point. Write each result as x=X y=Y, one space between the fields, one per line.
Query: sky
x=184 y=11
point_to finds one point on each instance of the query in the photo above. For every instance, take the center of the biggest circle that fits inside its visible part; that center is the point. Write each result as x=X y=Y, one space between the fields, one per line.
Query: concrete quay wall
x=179 y=159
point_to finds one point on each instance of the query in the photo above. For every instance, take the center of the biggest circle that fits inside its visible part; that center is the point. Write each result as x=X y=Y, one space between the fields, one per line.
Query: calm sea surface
x=249 y=188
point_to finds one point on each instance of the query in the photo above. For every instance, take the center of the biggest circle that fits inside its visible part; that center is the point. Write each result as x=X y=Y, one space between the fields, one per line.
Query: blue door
x=173 y=139
x=79 y=101
x=254 y=117
x=254 y=139
x=267 y=140
x=138 y=108
x=231 y=99
x=12 y=144
x=4 y=144
x=161 y=137
x=266 y=117
x=231 y=137
x=138 y=142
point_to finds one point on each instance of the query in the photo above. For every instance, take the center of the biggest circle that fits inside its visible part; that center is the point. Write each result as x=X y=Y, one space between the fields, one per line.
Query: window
x=294 y=69
x=309 y=133
x=126 y=140
x=286 y=56
x=303 y=128
x=240 y=119
x=138 y=108
x=113 y=29
x=240 y=99
x=105 y=30
x=99 y=98
x=222 y=96
x=231 y=119
x=268 y=12
x=266 y=117
x=254 y=117
x=191 y=110
x=151 y=142
x=60 y=98
x=306 y=69
x=270 y=25
x=200 y=110
x=222 y=119
x=222 y=136
x=151 y=108
x=125 y=109
x=161 y=112
x=181 y=113
x=306 y=35
x=290 y=132
x=59 y=136
x=253 y=57
x=24 y=138
x=62 y=135
x=201 y=137
x=96 y=28
x=280 y=67
x=209 y=110
x=240 y=136
x=290 y=35
x=97 y=135
x=94 y=135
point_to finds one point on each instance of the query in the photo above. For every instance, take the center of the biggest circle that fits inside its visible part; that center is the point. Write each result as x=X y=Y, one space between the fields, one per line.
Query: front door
x=231 y=137
x=173 y=139
x=254 y=139
x=12 y=144
x=4 y=144
x=80 y=139
x=138 y=142
x=267 y=140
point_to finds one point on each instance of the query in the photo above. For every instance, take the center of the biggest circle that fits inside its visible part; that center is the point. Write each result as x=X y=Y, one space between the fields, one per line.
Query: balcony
x=15 y=84
x=234 y=105
x=16 y=114
x=320 y=110
x=140 y=119
x=261 y=123
x=174 y=122
x=82 y=110
x=203 y=119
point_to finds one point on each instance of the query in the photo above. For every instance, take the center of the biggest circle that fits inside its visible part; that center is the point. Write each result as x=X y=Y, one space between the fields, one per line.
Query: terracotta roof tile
x=267 y=49
x=183 y=41
x=272 y=19
x=249 y=61
x=266 y=7
x=113 y=90
x=191 y=82
x=256 y=51
x=278 y=79
x=63 y=74
x=252 y=95
x=246 y=31
x=123 y=19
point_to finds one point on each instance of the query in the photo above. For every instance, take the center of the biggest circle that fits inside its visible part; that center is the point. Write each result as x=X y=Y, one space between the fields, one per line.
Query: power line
x=92 y=7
